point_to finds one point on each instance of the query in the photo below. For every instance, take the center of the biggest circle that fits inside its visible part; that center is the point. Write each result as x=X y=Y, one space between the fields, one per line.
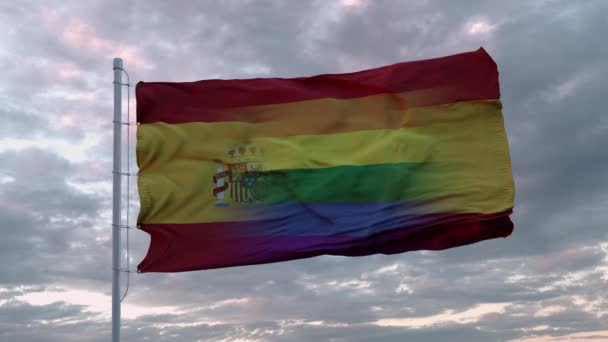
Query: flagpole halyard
x=116 y=197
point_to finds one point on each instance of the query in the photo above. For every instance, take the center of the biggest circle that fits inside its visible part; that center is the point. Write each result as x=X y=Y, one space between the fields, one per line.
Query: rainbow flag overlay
x=405 y=157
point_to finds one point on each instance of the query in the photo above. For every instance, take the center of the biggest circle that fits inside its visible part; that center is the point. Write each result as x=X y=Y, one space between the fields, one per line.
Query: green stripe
x=368 y=183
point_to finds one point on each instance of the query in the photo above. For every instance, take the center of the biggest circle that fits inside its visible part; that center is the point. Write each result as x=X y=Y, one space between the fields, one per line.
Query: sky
x=548 y=281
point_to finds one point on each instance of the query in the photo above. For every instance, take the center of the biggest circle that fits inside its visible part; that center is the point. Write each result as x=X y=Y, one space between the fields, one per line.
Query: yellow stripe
x=193 y=143
x=374 y=145
x=177 y=161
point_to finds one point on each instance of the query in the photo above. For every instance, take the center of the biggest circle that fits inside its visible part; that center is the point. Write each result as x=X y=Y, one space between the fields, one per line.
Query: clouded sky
x=546 y=282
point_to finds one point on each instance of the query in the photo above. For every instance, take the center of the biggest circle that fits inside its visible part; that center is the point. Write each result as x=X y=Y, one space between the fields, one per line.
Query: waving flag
x=404 y=157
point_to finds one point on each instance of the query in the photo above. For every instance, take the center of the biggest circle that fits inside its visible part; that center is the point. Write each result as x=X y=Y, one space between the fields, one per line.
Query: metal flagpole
x=116 y=212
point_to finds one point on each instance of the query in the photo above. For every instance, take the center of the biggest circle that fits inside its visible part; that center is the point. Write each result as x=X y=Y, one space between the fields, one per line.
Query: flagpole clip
x=123 y=270
x=130 y=174
x=126 y=123
x=124 y=226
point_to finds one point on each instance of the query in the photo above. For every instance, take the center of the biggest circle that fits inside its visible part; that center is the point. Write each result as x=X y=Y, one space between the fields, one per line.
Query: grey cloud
x=22 y=322
x=39 y=214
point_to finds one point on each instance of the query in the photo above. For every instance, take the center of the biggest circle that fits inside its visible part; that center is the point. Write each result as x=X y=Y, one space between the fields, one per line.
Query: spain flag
x=404 y=157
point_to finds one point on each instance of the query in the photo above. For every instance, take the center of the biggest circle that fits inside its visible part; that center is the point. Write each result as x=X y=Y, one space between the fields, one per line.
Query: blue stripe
x=327 y=219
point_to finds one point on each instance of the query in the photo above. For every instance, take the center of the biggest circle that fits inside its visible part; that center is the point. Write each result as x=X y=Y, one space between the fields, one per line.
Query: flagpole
x=116 y=194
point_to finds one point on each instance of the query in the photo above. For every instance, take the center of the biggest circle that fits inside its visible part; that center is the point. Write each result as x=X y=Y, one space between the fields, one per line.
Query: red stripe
x=463 y=77
x=188 y=247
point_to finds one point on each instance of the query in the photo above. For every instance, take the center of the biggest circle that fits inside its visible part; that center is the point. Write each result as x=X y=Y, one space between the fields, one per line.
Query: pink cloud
x=52 y=69
x=353 y=3
x=80 y=34
x=68 y=71
x=549 y=262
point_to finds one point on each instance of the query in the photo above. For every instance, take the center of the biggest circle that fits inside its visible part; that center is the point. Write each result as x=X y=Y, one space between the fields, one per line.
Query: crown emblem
x=250 y=156
x=240 y=176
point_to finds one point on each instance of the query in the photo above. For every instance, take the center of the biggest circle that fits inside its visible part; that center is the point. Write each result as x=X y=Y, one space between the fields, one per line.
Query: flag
x=410 y=156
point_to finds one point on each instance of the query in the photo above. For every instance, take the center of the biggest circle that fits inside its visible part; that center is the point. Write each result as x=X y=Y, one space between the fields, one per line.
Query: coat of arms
x=240 y=178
